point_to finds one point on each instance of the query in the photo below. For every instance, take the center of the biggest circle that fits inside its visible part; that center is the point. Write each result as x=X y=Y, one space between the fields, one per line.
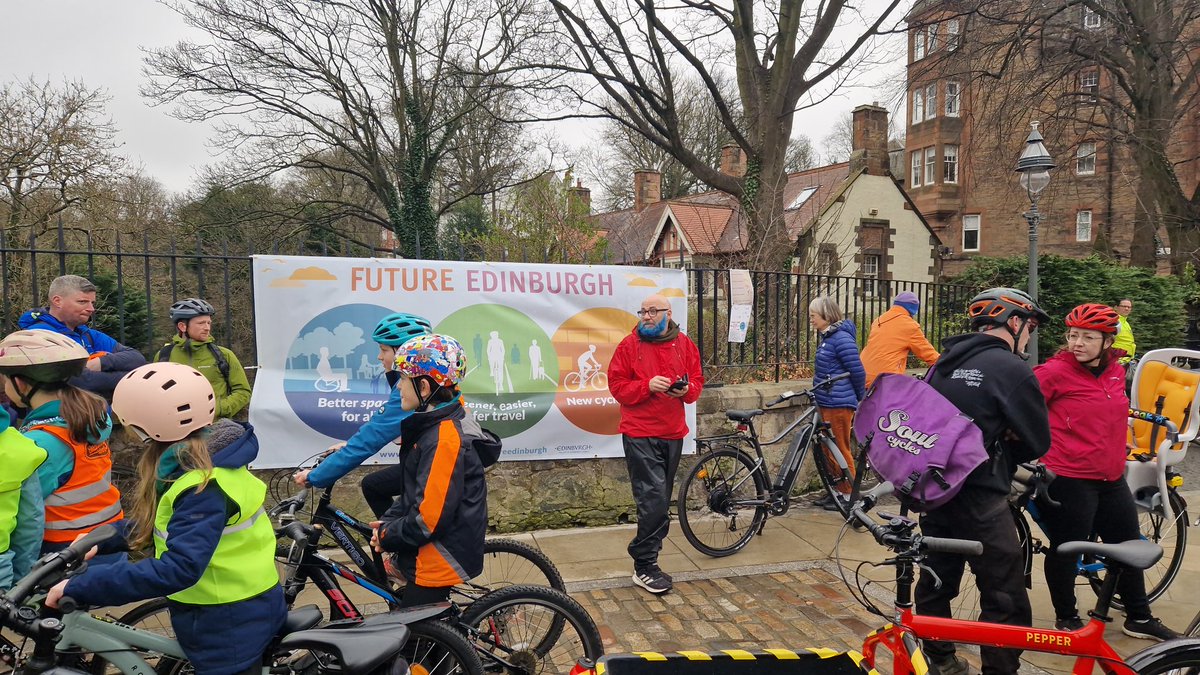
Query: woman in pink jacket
x=1084 y=386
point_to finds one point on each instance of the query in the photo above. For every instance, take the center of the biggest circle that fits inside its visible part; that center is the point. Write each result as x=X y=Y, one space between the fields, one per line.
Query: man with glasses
x=1124 y=340
x=72 y=306
x=985 y=375
x=654 y=371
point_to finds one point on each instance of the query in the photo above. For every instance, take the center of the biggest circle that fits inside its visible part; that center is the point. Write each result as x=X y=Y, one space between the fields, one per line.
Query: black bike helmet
x=995 y=306
x=190 y=308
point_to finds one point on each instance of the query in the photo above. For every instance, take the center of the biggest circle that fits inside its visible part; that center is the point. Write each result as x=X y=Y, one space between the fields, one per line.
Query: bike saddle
x=359 y=650
x=742 y=415
x=301 y=618
x=408 y=615
x=1137 y=554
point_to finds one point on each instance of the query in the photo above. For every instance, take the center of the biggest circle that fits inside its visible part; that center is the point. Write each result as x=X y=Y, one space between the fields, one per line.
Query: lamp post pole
x=1034 y=166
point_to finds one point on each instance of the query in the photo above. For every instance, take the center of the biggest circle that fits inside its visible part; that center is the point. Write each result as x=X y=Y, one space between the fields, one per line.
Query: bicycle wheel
x=834 y=479
x=508 y=562
x=434 y=648
x=599 y=381
x=1181 y=657
x=1171 y=535
x=531 y=630
x=572 y=382
x=153 y=616
x=722 y=502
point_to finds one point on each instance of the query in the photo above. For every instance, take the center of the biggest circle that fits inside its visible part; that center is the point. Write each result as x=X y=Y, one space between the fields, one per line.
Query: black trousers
x=999 y=573
x=414 y=595
x=1103 y=508
x=652 y=463
x=380 y=488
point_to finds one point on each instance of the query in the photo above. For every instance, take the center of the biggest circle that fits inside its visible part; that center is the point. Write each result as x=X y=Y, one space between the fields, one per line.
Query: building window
x=933 y=38
x=916 y=168
x=931 y=101
x=1089 y=85
x=801 y=198
x=918 y=45
x=952 y=36
x=949 y=163
x=1085 y=159
x=918 y=111
x=1083 y=226
x=952 y=96
x=970 y=227
x=1091 y=19
x=870 y=274
x=930 y=164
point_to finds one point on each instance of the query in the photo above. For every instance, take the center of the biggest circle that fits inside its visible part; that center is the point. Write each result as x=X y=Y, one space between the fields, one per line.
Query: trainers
x=652 y=581
x=949 y=665
x=1150 y=629
x=832 y=505
x=655 y=569
x=824 y=501
x=1071 y=623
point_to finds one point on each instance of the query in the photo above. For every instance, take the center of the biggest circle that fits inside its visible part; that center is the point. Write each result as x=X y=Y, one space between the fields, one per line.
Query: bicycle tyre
x=599 y=382
x=831 y=475
x=704 y=506
x=527 y=626
x=1174 y=656
x=572 y=382
x=508 y=562
x=435 y=648
x=1172 y=536
x=152 y=615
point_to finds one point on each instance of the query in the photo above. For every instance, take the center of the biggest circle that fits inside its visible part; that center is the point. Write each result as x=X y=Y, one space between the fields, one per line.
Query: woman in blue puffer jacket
x=836 y=354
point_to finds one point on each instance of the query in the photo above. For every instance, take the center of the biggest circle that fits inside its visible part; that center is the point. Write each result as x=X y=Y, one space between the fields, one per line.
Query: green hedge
x=1158 y=319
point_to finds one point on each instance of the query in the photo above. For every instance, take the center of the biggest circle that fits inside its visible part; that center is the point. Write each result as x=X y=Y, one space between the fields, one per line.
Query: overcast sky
x=100 y=41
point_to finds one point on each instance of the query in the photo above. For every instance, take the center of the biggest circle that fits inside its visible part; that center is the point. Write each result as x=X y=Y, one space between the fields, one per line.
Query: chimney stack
x=580 y=195
x=869 y=146
x=647 y=188
x=733 y=162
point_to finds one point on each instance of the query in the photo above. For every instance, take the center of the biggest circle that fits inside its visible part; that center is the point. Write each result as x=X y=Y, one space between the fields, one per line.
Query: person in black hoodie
x=985 y=374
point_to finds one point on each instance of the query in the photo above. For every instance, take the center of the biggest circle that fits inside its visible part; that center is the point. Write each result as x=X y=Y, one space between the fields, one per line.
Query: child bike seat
x=1137 y=554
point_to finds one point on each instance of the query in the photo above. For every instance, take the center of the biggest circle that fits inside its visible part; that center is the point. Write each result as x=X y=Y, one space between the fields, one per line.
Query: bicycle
x=901 y=636
x=596 y=380
x=1163 y=522
x=727 y=487
x=64 y=638
x=517 y=628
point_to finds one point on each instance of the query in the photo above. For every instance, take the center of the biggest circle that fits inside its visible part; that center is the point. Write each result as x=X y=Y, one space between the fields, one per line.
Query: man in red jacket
x=654 y=372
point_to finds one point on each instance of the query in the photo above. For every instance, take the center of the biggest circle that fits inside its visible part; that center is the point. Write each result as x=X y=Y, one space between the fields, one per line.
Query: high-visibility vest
x=89 y=499
x=20 y=458
x=243 y=564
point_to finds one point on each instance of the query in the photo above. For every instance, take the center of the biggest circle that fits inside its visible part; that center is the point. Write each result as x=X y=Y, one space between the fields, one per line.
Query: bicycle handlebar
x=788 y=395
x=52 y=565
x=290 y=505
x=1037 y=481
x=898 y=536
x=1152 y=418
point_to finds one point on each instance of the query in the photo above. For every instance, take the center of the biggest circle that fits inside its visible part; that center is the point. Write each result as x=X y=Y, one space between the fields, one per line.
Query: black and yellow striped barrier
x=736 y=662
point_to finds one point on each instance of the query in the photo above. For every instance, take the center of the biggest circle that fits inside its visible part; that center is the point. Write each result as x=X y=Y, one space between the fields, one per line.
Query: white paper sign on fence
x=741 y=298
x=532 y=333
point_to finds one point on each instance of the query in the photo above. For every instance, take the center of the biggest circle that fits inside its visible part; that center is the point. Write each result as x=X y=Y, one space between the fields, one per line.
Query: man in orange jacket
x=894 y=335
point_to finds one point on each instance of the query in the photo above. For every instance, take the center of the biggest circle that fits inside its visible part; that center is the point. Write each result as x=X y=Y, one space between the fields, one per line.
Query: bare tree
x=56 y=145
x=626 y=51
x=384 y=88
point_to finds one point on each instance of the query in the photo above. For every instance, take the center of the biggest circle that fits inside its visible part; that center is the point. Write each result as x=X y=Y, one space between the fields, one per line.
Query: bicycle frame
x=115 y=642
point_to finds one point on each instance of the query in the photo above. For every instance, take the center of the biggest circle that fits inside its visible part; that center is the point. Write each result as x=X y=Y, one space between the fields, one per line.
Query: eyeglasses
x=1083 y=337
x=651 y=312
x=1032 y=325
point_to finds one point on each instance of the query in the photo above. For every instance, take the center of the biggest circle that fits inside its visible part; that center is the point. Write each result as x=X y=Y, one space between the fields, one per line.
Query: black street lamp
x=1034 y=165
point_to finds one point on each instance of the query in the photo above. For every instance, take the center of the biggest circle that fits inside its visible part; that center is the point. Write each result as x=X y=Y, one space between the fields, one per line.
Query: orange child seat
x=1162 y=374
x=89 y=499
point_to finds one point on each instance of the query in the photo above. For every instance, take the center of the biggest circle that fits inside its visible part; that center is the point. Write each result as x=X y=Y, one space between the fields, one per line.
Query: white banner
x=538 y=340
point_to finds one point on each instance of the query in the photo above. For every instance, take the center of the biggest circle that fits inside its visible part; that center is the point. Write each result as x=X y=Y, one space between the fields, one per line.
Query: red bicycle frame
x=900 y=638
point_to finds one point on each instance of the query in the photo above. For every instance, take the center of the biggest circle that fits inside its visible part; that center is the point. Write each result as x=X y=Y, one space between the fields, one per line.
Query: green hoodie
x=231 y=398
x=22 y=518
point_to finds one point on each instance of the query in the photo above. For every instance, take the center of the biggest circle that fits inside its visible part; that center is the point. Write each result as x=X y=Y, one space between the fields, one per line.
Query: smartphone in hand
x=679 y=384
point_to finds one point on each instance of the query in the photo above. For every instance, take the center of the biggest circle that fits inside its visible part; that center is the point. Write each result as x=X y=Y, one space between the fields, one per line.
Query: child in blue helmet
x=380 y=487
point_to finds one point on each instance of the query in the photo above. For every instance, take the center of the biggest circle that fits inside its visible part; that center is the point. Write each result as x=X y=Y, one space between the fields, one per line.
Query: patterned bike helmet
x=997 y=305
x=41 y=356
x=190 y=308
x=396 y=329
x=1094 y=317
x=166 y=400
x=438 y=357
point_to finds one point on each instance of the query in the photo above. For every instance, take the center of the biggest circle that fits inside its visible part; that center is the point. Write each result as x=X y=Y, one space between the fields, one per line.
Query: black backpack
x=164 y=354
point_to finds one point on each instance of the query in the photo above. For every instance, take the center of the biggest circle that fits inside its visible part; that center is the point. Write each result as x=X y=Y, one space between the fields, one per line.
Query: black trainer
x=654 y=582
x=1071 y=623
x=1149 y=629
x=949 y=665
x=824 y=501
x=655 y=569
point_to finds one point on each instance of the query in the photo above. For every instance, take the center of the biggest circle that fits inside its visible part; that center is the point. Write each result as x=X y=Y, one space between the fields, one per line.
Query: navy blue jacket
x=116 y=362
x=837 y=354
x=218 y=639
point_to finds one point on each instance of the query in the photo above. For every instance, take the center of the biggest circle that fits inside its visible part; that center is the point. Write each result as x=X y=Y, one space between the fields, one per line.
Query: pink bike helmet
x=167 y=401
